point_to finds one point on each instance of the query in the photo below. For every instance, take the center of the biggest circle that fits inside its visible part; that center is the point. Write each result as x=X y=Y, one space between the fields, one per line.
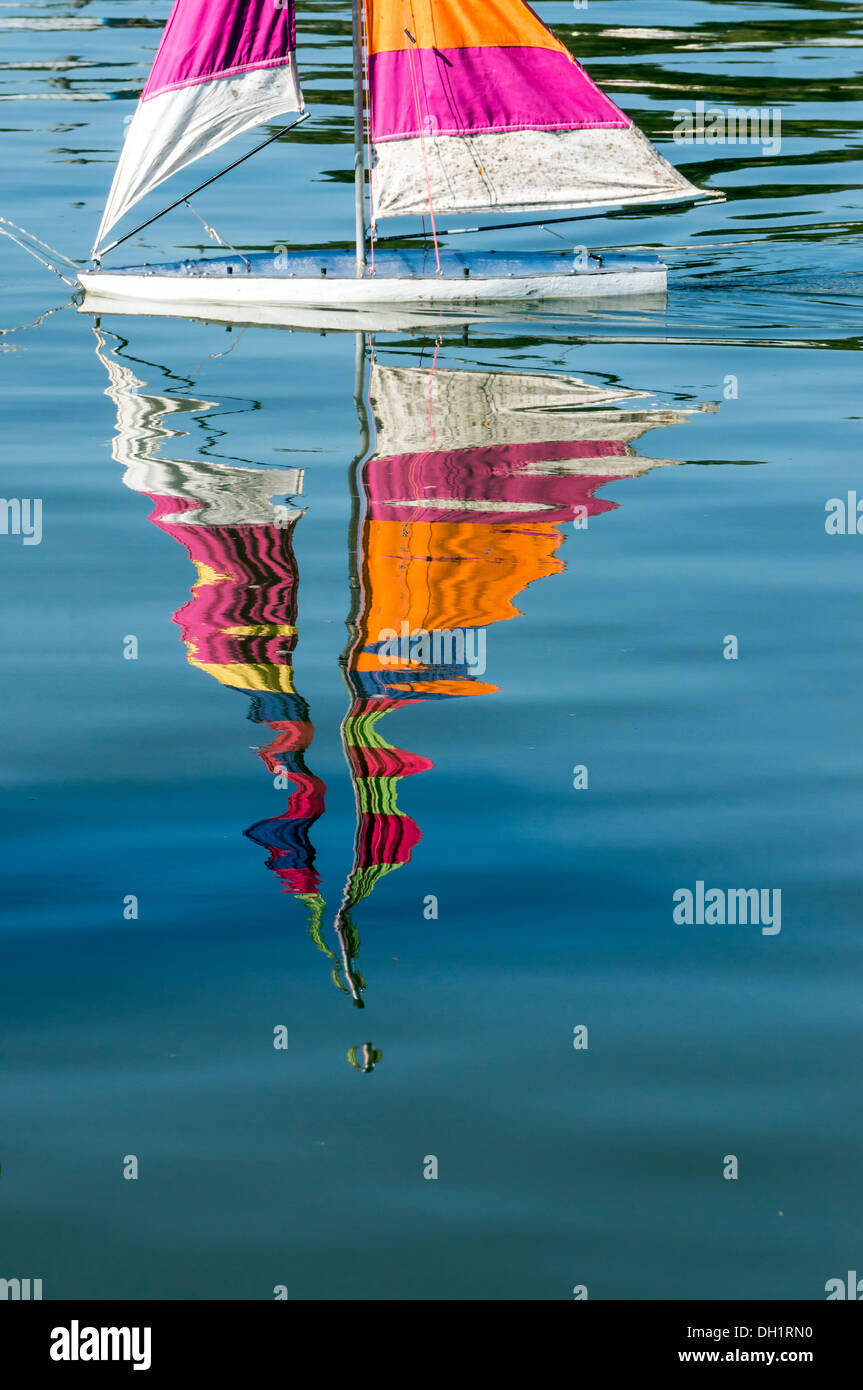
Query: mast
x=359 y=158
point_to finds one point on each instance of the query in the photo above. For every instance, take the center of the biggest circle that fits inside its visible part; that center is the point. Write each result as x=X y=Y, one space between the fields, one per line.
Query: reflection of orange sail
x=463 y=504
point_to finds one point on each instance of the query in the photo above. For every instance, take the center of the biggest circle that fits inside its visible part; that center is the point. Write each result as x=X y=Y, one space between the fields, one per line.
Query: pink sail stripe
x=495 y=476
x=165 y=506
x=307 y=801
x=217 y=649
x=207 y=39
x=295 y=735
x=460 y=472
x=296 y=881
x=387 y=762
x=274 y=755
x=383 y=838
x=240 y=557
x=466 y=91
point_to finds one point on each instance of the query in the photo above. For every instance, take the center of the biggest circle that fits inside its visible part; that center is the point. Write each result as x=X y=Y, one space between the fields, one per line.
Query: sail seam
x=201 y=79
x=499 y=130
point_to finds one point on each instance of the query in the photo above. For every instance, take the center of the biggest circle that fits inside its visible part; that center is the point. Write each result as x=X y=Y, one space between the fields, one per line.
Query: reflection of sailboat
x=459 y=505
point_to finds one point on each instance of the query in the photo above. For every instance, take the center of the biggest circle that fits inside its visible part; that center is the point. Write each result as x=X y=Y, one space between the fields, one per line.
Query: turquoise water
x=702 y=443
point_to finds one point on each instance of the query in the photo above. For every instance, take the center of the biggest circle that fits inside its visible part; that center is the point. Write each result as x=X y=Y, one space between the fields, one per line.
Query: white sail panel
x=522 y=171
x=208 y=493
x=423 y=411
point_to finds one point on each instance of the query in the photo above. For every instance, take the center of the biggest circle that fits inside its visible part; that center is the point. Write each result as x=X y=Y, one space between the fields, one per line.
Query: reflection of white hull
x=373 y=319
x=284 y=289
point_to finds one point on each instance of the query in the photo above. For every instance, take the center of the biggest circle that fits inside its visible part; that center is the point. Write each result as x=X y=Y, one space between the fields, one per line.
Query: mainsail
x=223 y=66
x=478 y=105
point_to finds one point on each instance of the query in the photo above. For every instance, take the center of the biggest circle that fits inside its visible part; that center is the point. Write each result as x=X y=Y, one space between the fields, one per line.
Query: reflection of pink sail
x=240 y=623
x=508 y=483
x=240 y=626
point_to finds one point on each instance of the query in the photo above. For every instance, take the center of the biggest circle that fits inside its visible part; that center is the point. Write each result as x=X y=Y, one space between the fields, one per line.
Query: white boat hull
x=286 y=288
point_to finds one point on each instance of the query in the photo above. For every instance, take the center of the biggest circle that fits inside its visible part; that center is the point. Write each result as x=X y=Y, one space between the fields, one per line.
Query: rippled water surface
x=392 y=862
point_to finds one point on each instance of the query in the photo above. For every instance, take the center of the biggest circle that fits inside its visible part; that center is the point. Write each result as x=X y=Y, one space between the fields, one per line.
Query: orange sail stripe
x=444 y=24
x=452 y=574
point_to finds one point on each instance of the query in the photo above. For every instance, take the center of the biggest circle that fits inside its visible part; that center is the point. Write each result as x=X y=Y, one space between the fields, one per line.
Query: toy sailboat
x=460 y=107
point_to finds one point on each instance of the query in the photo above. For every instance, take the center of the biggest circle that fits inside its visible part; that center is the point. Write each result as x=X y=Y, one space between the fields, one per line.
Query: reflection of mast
x=345 y=930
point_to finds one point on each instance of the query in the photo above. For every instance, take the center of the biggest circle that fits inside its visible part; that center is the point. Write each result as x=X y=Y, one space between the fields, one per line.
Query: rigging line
x=39 y=242
x=211 y=231
x=613 y=211
x=31 y=251
x=565 y=239
x=415 y=85
x=214 y=356
x=430 y=379
x=367 y=76
x=22 y=327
